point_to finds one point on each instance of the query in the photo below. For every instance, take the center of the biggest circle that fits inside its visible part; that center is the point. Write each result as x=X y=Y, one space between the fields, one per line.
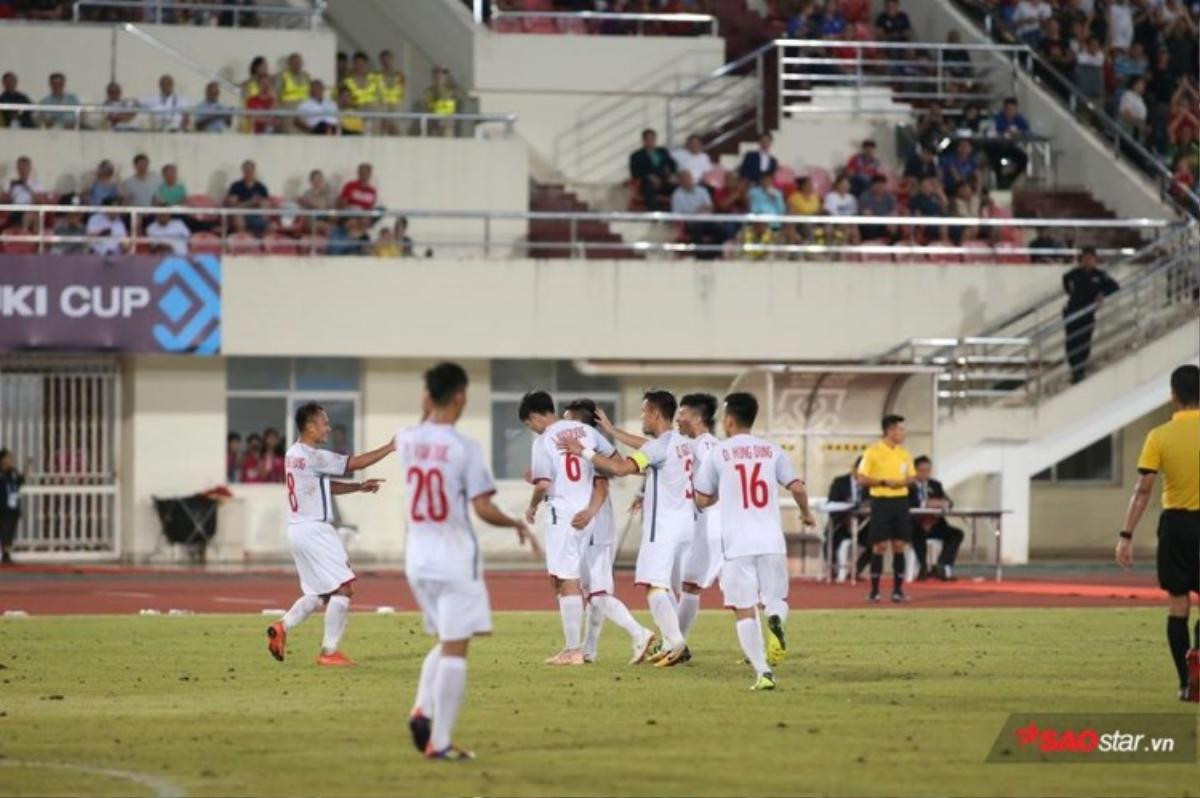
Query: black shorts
x=1179 y=551
x=890 y=520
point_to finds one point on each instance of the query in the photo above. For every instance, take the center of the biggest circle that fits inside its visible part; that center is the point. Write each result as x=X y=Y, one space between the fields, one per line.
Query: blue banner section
x=78 y=303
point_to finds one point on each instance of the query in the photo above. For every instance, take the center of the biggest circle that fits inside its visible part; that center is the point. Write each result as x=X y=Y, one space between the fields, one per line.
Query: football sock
x=304 y=607
x=689 y=605
x=779 y=608
x=448 y=690
x=1177 y=639
x=864 y=557
x=1197 y=634
x=571 y=610
x=619 y=614
x=664 y=614
x=595 y=622
x=843 y=553
x=750 y=636
x=425 y=684
x=337 y=612
x=876 y=571
x=898 y=566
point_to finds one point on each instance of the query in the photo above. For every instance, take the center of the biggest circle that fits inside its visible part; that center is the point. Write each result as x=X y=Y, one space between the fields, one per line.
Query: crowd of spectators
x=1137 y=59
x=61 y=10
x=952 y=183
x=186 y=222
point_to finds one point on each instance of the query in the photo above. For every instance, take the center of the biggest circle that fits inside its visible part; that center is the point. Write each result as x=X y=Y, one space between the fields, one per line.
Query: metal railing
x=595 y=21
x=417 y=122
x=181 y=11
x=174 y=53
x=720 y=107
x=511 y=233
x=1027 y=357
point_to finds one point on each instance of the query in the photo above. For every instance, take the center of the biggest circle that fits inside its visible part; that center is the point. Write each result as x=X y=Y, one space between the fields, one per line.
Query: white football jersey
x=603 y=530
x=708 y=522
x=443 y=472
x=742 y=472
x=306 y=472
x=668 y=461
x=570 y=475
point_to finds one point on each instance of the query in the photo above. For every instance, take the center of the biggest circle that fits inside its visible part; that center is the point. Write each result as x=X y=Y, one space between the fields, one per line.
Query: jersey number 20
x=754 y=490
x=429 y=501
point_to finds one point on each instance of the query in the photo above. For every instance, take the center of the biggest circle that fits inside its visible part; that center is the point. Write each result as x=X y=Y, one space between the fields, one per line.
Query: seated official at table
x=928 y=492
x=845 y=489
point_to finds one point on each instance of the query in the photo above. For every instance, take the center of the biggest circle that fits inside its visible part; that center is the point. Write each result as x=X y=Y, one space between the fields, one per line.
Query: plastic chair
x=821 y=179
x=714 y=178
x=785 y=178
x=277 y=244
x=243 y=244
x=16 y=247
x=205 y=244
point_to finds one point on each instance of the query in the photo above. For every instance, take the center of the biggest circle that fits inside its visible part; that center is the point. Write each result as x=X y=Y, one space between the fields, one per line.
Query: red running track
x=42 y=590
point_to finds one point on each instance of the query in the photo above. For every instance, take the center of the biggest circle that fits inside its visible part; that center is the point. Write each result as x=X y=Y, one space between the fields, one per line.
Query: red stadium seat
x=277 y=244
x=714 y=178
x=785 y=179
x=821 y=179
x=1005 y=255
x=205 y=244
x=16 y=247
x=243 y=244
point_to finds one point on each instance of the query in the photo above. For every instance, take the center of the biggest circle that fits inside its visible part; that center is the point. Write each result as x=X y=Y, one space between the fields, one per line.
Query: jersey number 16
x=755 y=490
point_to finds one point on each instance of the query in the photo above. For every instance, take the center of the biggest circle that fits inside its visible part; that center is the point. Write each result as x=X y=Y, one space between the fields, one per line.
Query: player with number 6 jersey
x=697 y=414
x=446 y=478
x=739 y=477
x=321 y=560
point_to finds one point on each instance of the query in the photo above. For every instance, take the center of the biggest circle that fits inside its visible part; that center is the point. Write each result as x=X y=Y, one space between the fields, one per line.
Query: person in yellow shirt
x=886 y=470
x=441 y=98
x=804 y=201
x=361 y=85
x=292 y=84
x=351 y=124
x=392 y=87
x=1173 y=449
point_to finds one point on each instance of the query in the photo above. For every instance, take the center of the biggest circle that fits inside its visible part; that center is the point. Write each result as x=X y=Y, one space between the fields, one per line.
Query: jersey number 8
x=293 y=502
x=429 y=489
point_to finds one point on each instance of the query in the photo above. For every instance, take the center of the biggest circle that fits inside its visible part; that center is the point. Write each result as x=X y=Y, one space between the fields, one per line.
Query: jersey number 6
x=430 y=489
x=574 y=469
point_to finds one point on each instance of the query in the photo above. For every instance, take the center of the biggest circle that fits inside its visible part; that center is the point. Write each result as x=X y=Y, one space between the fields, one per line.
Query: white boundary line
x=163 y=788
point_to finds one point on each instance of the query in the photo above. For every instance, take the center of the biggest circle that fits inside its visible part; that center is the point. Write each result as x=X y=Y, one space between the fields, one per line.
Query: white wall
x=92 y=55
x=615 y=309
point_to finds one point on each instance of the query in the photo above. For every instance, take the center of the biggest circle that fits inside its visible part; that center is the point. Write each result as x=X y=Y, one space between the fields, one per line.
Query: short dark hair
x=891 y=420
x=360 y=54
x=535 y=402
x=1087 y=251
x=743 y=407
x=703 y=403
x=233 y=436
x=3 y=453
x=1010 y=100
x=922 y=460
x=585 y=409
x=141 y=156
x=444 y=380
x=649 y=130
x=306 y=413
x=1185 y=384
x=662 y=401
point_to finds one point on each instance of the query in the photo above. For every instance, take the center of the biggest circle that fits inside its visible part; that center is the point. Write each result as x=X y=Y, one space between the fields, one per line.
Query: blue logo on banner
x=192 y=305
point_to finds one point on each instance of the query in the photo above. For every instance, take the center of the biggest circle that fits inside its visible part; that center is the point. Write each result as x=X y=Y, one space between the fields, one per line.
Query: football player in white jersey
x=596 y=575
x=697 y=414
x=668 y=513
x=446 y=478
x=739 y=477
x=566 y=484
x=321 y=559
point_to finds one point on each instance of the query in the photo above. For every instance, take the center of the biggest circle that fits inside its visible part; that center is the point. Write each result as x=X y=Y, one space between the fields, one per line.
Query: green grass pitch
x=870 y=703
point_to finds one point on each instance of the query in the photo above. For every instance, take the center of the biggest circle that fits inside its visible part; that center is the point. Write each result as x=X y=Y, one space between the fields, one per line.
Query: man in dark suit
x=756 y=164
x=653 y=168
x=928 y=492
x=845 y=488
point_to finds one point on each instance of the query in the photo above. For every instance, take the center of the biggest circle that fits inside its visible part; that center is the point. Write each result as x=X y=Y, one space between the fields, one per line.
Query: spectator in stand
x=765 y=199
x=292 y=84
x=934 y=130
x=804 y=201
x=971 y=121
x=1130 y=63
x=248 y=192
x=265 y=100
x=213 y=116
x=688 y=198
x=252 y=459
x=24 y=189
x=350 y=124
x=1160 y=90
x=964 y=204
x=892 y=24
x=653 y=169
x=1008 y=159
x=349 y=237
x=165 y=108
x=1044 y=240
x=1062 y=59
x=11 y=96
x=108 y=231
x=318 y=196
x=1120 y=24
x=360 y=83
x=260 y=76
x=359 y=193
x=957 y=65
x=393 y=86
x=271 y=466
x=120 y=113
x=833 y=22
x=441 y=98
x=1132 y=108
x=862 y=168
x=319 y=114
x=167 y=235
x=731 y=198
x=1089 y=70
x=341 y=66
x=103 y=186
x=756 y=164
x=1183 y=177
x=385 y=244
x=929 y=201
x=70 y=225
x=878 y=200
x=170 y=192
x=400 y=231
x=920 y=165
x=960 y=165
x=840 y=202
x=58 y=96
x=139 y=188
x=1028 y=17
x=233 y=457
x=692 y=158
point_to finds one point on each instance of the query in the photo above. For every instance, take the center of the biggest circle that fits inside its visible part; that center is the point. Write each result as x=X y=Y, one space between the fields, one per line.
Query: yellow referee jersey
x=881 y=460
x=1173 y=449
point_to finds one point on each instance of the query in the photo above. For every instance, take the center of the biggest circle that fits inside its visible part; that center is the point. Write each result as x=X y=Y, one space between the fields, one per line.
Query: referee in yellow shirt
x=1173 y=449
x=887 y=469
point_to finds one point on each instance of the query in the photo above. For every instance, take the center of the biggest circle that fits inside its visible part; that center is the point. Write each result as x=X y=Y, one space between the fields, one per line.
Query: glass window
x=511 y=379
x=1093 y=463
x=258 y=373
x=326 y=374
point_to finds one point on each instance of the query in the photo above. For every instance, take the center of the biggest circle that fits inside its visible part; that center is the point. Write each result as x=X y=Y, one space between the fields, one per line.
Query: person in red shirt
x=359 y=193
x=252 y=459
x=862 y=168
x=265 y=101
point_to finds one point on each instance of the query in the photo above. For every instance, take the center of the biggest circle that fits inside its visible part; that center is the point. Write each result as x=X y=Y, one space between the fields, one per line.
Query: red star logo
x=1027 y=735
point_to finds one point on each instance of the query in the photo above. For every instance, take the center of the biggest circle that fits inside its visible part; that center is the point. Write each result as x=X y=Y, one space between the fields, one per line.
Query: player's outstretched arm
x=368 y=459
x=627 y=438
x=366 y=486
x=487 y=510
x=800 y=494
x=614 y=465
x=1138 y=502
